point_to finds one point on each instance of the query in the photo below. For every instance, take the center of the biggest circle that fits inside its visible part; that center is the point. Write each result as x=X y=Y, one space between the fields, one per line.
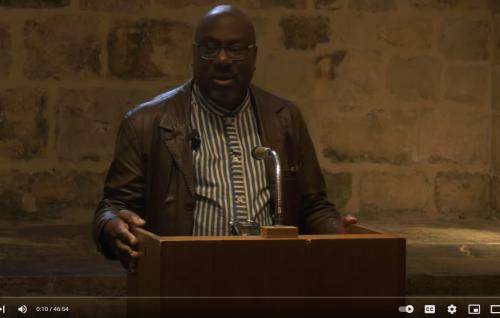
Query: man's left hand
x=347 y=220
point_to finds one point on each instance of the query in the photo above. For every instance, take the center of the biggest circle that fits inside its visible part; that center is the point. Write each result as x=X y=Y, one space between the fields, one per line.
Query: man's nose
x=222 y=56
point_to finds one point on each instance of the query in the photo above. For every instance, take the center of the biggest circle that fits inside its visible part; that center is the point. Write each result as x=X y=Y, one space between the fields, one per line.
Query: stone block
x=378 y=136
x=467 y=85
x=495 y=147
x=465 y=39
x=114 y=5
x=23 y=123
x=413 y=33
x=454 y=136
x=176 y=4
x=88 y=121
x=329 y=4
x=294 y=78
x=62 y=46
x=372 y=5
x=467 y=194
x=34 y=4
x=339 y=186
x=269 y=4
x=495 y=191
x=388 y=193
x=150 y=49
x=496 y=30
x=496 y=90
x=347 y=79
x=414 y=79
x=5 y=54
x=304 y=32
x=45 y=195
x=458 y=5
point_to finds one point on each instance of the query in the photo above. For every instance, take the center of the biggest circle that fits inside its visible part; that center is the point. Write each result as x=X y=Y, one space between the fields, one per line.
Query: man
x=183 y=163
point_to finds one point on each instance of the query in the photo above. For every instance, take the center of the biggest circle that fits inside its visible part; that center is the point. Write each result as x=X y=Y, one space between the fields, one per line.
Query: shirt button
x=240 y=199
x=235 y=159
x=229 y=120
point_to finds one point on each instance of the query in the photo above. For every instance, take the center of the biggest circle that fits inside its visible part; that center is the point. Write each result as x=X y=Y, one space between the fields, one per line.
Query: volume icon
x=22 y=309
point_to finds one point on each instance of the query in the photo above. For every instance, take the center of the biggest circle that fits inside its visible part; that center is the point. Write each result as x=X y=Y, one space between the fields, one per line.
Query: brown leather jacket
x=152 y=173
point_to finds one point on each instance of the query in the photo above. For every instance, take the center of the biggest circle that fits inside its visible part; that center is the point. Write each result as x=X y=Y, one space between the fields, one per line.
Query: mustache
x=222 y=69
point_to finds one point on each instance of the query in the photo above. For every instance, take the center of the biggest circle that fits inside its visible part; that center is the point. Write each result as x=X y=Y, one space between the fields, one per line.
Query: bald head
x=224 y=16
x=224 y=55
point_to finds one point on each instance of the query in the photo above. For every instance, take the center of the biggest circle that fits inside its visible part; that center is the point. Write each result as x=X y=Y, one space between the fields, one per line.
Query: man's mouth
x=223 y=80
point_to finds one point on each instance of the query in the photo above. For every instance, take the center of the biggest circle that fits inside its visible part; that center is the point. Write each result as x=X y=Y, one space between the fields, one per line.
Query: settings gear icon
x=452 y=309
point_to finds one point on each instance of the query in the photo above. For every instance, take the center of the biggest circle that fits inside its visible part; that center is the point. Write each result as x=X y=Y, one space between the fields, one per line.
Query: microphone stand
x=278 y=229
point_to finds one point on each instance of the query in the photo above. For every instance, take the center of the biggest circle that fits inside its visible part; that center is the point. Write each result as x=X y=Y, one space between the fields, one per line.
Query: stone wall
x=401 y=96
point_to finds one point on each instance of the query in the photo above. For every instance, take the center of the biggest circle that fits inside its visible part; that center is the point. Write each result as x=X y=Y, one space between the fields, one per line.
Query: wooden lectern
x=251 y=276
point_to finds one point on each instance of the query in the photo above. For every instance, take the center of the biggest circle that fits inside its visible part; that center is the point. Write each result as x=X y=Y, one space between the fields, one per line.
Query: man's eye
x=236 y=48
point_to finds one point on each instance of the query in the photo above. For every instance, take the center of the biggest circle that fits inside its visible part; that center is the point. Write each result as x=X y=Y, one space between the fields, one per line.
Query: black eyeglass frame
x=246 y=49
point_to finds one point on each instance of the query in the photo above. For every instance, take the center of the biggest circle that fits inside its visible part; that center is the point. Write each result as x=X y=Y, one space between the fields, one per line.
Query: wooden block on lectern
x=248 y=276
x=279 y=231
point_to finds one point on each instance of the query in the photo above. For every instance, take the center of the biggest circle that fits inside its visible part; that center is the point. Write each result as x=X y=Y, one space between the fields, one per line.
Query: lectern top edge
x=260 y=238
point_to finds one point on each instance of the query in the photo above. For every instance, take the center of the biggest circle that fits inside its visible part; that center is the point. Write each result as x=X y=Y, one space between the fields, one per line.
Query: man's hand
x=347 y=220
x=118 y=237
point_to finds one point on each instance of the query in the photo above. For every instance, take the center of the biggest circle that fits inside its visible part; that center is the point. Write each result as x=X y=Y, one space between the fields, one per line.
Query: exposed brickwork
x=458 y=5
x=5 y=55
x=87 y=121
x=176 y=4
x=413 y=33
x=23 y=123
x=55 y=50
x=455 y=136
x=414 y=79
x=466 y=39
x=339 y=188
x=462 y=193
x=115 y=5
x=393 y=192
x=36 y=4
x=350 y=79
x=268 y=4
x=329 y=4
x=379 y=136
x=467 y=84
x=304 y=32
x=150 y=49
x=47 y=194
x=372 y=5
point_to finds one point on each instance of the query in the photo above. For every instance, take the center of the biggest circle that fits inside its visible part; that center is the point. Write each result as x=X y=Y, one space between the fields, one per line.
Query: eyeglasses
x=235 y=52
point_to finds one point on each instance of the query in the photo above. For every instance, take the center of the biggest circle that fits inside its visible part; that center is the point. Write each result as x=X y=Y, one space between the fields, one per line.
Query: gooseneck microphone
x=261 y=153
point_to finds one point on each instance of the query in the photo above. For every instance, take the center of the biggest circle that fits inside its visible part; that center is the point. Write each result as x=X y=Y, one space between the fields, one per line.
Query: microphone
x=261 y=152
x=195 y=140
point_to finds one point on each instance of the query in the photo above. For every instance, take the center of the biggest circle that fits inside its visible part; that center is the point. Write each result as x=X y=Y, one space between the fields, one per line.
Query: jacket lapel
x=271 y=132
x=271 y=127
x=176 y=132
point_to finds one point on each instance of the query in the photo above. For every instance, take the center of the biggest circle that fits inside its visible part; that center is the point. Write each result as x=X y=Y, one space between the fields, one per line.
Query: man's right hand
x=118 y=237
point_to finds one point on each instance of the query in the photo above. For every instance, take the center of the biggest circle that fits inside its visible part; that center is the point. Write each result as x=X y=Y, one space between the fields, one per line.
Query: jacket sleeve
x=320 y=215
x=124 y=184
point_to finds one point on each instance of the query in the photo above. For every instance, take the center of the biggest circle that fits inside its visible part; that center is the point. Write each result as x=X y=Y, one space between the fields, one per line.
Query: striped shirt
x=230 y=184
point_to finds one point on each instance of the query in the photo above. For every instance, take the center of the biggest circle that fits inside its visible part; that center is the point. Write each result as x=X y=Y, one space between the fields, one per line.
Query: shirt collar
x=217 y=109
